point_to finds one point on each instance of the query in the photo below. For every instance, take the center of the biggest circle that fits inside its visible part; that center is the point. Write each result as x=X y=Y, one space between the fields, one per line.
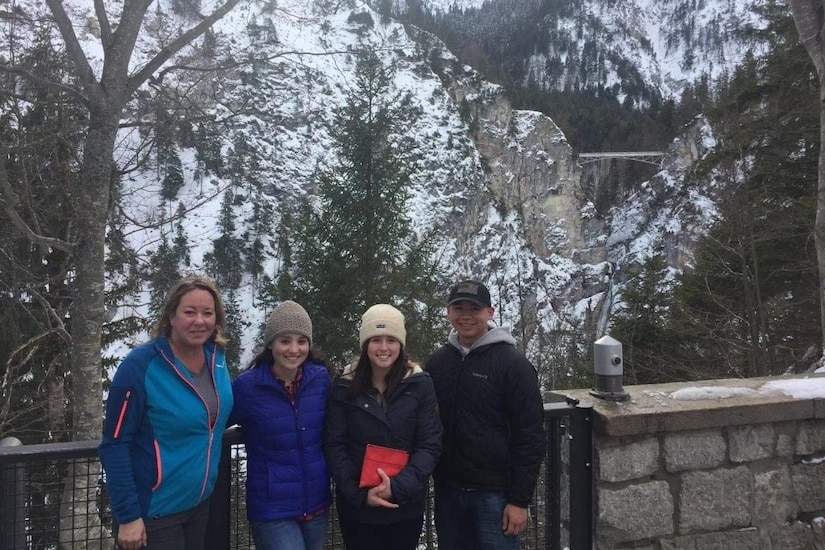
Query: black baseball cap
x=471 y=291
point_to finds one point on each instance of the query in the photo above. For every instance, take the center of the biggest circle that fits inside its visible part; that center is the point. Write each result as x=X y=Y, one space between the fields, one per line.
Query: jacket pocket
x=158 y=466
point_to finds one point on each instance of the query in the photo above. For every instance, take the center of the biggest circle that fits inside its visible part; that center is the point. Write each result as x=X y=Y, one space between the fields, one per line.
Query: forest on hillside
x=747 y=305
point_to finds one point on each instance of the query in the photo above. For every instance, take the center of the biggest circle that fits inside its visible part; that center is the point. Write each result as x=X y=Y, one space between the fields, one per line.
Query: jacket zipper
x=210 y=425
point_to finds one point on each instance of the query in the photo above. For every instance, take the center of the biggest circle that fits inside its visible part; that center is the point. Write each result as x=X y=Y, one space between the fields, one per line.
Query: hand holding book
x=391 y=461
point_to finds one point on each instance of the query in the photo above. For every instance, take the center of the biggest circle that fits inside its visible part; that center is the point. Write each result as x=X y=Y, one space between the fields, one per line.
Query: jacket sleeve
x=344 y=471
x=125 y=411
x=525 y=412
x=411 y=482
x=239 y=410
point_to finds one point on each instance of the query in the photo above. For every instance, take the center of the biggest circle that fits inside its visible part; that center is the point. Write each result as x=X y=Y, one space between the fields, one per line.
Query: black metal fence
x=53 y=496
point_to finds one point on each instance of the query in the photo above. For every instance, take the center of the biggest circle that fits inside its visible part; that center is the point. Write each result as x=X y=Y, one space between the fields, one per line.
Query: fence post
x=12 y=501
x=581 y=478
x=218 y=530
x=552 y=483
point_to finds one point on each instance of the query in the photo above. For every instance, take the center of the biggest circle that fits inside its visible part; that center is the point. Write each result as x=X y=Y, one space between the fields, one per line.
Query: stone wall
x=721 y=464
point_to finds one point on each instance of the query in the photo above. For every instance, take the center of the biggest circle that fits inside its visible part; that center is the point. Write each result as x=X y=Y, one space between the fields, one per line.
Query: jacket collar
x=349 y=370
x=493 y=336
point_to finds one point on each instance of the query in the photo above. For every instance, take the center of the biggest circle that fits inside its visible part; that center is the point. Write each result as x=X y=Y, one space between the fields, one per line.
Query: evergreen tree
x=171 y=172
x=350 y=252
x=163 y=273
x=235 y=323
x=37 y=171
x=749 y=306
x=643 y=326
x=260 y=225
x=181 y=243
x=225 y=264
x=208 y=148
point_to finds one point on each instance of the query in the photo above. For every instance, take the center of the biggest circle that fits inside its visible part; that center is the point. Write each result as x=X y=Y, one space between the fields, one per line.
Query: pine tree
x=163 y=273
x=171 y=172
x=225 y=264
x=37 y=173
x=235 y=323
x=350 y=253
x=643 y=326
x=181 y=242
x=208 y=148
x=260 y=225
x=748 y=306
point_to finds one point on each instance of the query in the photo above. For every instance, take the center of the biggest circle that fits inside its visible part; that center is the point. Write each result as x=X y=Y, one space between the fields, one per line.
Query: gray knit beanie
x=383 y=320
x=288 y=318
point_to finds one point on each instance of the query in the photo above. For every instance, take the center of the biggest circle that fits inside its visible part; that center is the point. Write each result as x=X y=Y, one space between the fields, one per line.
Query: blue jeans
x=470 y=519
x=289 y=534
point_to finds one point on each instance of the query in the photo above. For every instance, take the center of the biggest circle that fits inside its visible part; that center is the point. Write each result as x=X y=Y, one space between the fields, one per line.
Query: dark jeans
x=402 y=535
x=181 y=531
x=470 y=519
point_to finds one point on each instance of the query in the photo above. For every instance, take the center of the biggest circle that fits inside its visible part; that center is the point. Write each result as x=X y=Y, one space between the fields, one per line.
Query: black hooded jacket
x=493 y=417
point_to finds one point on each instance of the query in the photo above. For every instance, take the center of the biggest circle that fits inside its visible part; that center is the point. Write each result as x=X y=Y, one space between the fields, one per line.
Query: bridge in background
x=649 y=157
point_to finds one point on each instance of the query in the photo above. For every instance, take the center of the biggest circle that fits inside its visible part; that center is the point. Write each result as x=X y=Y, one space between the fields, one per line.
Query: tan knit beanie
x=288 y=318
x=383 y=320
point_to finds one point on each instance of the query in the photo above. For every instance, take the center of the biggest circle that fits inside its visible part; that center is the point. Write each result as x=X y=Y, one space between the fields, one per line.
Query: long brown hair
x=362 y=377
x=163 y=326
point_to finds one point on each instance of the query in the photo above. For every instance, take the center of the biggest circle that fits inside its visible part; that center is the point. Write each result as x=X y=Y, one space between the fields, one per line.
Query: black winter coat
x=410 y=422
x=493 y=415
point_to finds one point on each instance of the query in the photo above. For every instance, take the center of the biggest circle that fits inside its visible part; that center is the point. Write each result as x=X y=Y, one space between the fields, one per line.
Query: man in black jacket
x=491 y=408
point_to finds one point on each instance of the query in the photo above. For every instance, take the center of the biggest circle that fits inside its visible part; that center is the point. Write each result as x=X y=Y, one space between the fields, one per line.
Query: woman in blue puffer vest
x=280 y=403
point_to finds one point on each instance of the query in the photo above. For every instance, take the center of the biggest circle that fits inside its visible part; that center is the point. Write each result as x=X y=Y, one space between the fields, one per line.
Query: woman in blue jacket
x=383 y=399
x=165 y=417
x=280 y=402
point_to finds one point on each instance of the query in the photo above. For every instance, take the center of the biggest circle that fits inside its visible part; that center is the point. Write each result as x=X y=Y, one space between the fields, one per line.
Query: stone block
x=637 y=512
x=744 y=539
x=818 y=533
x=809 y=486
x=774 y=503
x=628 y=461
x=715 y=500
x=796 y=536
x=694 y=450
x=749 y=443
x=811 y=437
x=785 y=441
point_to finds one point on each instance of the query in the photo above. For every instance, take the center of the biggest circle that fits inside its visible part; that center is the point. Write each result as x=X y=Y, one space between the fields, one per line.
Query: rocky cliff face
x=531 y=216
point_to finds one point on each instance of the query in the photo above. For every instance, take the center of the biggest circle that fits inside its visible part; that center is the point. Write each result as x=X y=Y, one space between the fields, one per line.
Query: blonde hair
x=163 y=326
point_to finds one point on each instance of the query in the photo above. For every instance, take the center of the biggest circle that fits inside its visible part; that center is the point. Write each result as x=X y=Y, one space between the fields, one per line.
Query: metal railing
x=45 y=505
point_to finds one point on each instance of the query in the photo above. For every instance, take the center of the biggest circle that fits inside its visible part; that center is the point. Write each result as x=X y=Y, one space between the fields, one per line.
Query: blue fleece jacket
x=159 y=451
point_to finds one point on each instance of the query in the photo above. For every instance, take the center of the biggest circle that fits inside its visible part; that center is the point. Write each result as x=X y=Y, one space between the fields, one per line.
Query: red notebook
x=389 y=460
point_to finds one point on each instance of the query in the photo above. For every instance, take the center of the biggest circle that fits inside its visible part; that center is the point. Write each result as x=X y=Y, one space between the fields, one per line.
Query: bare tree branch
x=103 y=20
x=245 y=62
x=64 y=25
x=136 y=80
x=28 y=75
x=9 y=201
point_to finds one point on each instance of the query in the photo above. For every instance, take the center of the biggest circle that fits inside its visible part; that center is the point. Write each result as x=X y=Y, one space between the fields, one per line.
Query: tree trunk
x=80 y=524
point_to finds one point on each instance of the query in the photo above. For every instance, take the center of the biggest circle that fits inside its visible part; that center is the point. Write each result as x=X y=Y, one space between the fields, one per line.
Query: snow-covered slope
x=623 y=45
x=501 y=185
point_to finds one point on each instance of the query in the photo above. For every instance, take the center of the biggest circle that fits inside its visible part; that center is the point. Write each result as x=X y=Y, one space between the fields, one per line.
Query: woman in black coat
x=382 y=399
